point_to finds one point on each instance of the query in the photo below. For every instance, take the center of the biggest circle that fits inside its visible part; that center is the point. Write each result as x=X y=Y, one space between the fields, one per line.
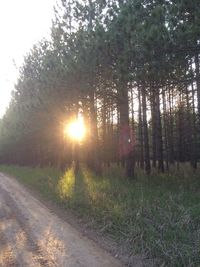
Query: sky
x=22 y=24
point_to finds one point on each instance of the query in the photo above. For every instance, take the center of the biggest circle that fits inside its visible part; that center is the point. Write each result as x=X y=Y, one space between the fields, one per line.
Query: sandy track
x=31 y=235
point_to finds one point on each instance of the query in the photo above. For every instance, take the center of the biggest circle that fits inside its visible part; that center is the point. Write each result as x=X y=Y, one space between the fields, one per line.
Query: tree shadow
x=73 y=190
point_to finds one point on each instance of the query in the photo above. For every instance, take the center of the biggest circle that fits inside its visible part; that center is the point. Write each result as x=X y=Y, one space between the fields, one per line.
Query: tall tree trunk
x=197 y=83
x=95 y=156
x=104 y=131
x=188 y=133
x=159 y=141
x=179 y=132
x=165 y=129
x=140 y=126
x=153 y=117
x=125 y=142
x=132 y=111
x=194 y=130
x=111 y=133
x=145 y=130
x=171 y=127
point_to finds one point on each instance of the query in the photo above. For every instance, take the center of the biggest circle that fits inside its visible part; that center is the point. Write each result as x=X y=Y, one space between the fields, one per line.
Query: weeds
x=158 y=217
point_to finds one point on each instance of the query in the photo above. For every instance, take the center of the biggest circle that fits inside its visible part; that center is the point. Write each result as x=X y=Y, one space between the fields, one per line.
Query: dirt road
x=31 y=235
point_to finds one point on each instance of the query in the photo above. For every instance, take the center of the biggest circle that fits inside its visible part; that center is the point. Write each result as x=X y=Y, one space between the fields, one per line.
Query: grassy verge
x=158 y=217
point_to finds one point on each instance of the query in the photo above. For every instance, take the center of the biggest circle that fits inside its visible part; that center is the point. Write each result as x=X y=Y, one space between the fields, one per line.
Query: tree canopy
x=130 y=68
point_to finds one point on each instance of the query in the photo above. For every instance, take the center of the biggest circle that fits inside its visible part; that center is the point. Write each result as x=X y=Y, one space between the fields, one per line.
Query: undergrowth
x=156 y=216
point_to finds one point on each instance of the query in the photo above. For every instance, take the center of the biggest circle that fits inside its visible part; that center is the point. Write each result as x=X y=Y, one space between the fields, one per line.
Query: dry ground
x=32 y=235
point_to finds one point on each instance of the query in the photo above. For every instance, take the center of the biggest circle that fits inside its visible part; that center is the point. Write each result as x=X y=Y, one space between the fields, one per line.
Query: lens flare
x=76 y=129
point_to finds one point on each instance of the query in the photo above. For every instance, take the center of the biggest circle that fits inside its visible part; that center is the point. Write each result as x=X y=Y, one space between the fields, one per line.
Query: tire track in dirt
x=37 y=237
x=18 y=247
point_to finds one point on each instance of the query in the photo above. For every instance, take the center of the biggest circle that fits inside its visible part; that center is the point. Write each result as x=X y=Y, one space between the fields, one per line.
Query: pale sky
x=22 y=24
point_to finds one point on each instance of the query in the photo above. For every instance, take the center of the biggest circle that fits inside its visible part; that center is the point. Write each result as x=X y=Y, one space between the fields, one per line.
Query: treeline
x=130 y=67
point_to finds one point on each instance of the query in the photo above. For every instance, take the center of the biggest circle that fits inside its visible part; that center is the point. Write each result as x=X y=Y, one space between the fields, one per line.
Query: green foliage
x=98 y=50
x=104 y=58
x=156 y=217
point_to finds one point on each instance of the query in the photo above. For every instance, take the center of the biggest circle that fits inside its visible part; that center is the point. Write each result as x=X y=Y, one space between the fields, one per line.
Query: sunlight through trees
x=130 y=68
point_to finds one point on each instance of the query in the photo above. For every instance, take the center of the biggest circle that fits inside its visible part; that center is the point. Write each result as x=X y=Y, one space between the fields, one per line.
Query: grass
x=157 y=217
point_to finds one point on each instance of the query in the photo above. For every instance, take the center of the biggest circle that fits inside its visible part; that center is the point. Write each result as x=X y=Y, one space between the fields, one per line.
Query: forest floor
x=147 y=221
x=32 y=235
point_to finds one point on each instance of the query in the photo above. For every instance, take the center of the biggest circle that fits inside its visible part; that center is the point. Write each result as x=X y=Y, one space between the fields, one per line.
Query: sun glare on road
x=76 y=129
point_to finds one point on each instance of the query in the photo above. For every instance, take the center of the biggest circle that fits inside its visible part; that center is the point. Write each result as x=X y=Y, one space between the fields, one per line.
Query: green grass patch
x=158 y=216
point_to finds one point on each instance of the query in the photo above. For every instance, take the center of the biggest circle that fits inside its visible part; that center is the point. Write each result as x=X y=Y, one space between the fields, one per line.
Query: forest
x=130 y=69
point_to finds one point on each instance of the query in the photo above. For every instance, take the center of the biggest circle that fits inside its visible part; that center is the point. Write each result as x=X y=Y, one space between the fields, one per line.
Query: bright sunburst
x=76 y=129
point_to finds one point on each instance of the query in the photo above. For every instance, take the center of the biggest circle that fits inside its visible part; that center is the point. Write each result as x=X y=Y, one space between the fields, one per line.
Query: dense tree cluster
x=130 y=67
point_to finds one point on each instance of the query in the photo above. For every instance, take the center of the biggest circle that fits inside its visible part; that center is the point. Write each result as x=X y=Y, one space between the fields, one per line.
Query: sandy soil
x=32 y=235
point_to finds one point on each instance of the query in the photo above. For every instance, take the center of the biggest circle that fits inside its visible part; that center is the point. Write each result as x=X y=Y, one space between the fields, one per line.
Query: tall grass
x=157 y=217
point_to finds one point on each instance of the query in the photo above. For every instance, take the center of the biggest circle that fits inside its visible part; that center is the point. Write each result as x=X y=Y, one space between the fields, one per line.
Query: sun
x=76 y=129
